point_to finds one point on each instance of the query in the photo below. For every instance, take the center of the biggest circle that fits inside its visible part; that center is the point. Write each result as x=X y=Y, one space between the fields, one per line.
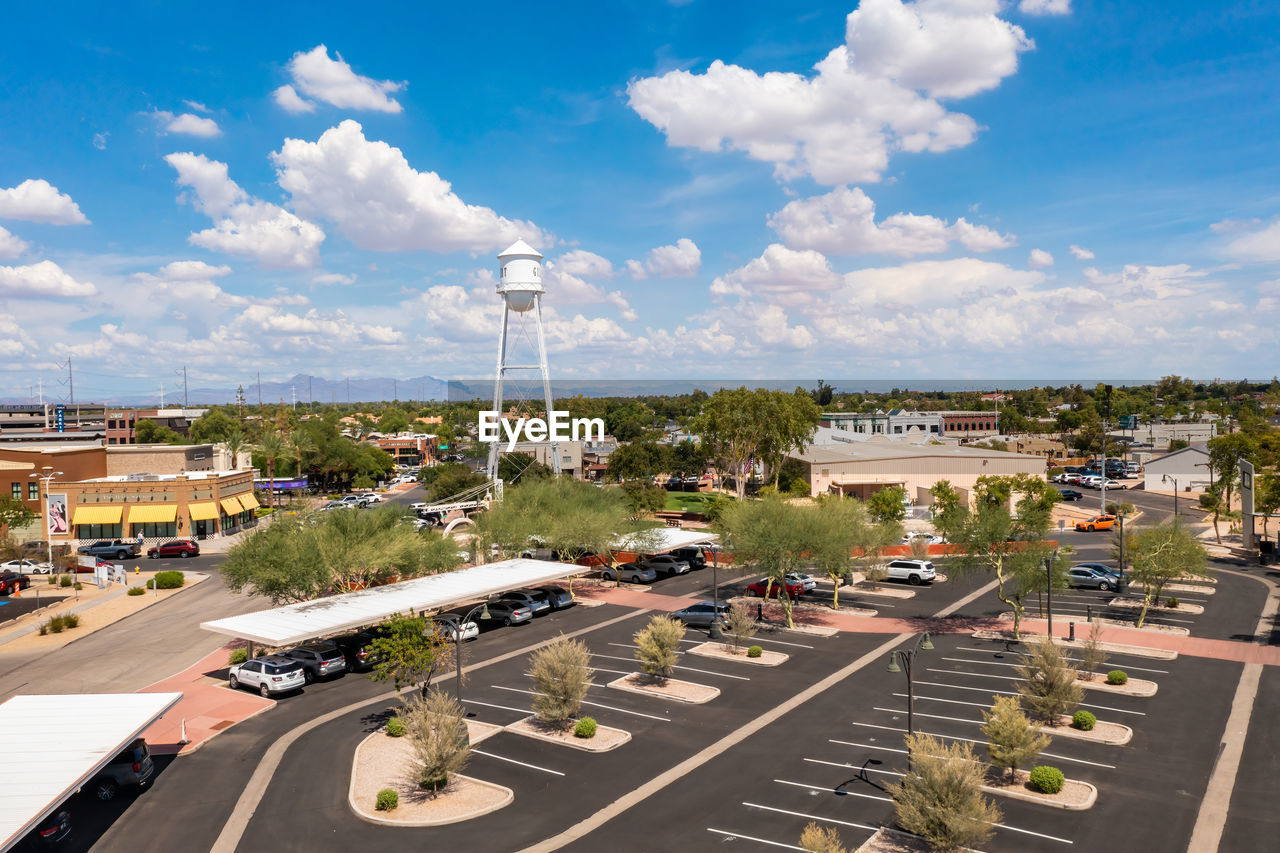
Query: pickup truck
x=914 y=572
x=119 y=549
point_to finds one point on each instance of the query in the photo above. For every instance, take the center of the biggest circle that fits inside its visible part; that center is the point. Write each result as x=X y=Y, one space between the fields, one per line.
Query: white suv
x=270 y=675
x=914 y=572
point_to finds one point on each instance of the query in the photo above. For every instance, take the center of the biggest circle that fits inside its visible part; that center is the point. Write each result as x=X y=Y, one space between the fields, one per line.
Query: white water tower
x=520 y=286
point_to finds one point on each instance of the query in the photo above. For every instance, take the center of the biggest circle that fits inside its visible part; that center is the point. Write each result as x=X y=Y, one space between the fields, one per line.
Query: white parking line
x=524 y=711
x=1073 y=660
x=833 y=790
x=689 y=668
x=634 y=646
x=983 y=742
x=592 y=704
x=753 y=838
x=513 y=761
x=849 y=766
x=985 y=705
x=811 y=816
x=900 y=711
x=757 y=639
x=867 y=746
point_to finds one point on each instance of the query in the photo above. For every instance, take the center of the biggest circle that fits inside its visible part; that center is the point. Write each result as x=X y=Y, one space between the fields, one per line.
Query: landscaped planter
x=1074 y=796
x=894 y=841
x=1113 y=734
x=605 y=739
x=1118 y=648
x=670 y=688
x=725 y=651
x=1132 y=687
x=1134 y=604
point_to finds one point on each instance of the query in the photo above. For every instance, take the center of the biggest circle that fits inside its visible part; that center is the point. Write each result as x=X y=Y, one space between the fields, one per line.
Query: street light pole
x=48 y=536
x=1048 y=583
x=1164 y=478
x=901 y=660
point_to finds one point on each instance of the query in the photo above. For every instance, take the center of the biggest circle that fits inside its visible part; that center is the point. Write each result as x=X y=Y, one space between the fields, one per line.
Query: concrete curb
x=627 y=683
x=715 y=649
x=1093 y=736
x=1118 y=648
x=524 y=728
x=1042 y=799
x=1139 y=687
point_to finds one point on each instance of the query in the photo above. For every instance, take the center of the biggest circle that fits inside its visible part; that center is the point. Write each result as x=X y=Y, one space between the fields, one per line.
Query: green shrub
x=66 y=581
x=44 y=629
x=166 y=580
x=71 y=620
x=754 y=652
x=56 y=624
x=388 y=799
x=1172 y=601
x=395 y=728
x=1117 y=676
x=585 y=728
x=1083 y=720
x=52 y=580
x=137 y=590
x=78 y=585
x=1047 y=780
x=237 y=656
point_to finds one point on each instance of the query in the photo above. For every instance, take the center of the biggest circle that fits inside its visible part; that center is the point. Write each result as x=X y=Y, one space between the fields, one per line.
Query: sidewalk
x=207 y=706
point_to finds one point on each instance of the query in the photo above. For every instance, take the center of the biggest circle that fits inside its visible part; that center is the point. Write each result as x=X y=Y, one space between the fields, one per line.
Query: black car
x=54 y=829
x=694 y=556
x=1070 y=495
x=557 y=596
x=356 y=649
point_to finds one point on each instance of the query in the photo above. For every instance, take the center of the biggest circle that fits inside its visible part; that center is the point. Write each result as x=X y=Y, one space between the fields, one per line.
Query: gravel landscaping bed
x=605 y=738
x=1134 y=604
x=892 y=841
x=1118 y=648
x=725 y=651
x=1074 y=796
x=671 y=688
x=1132 y=687
x=1113 y=734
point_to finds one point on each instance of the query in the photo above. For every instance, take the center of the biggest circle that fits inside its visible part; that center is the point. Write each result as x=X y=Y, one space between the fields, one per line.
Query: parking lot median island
x=1117 y=648
x=866 y=587
x=1135 y=604
x=604 y=740
x=669 y=688
x=1074 y=796
x=725 y=651
x=1121 y=623
x=894 y=841
x=1112 y=734
x=1188 y=588
x=1132 y=687
x=386 y=762
x=478 y=731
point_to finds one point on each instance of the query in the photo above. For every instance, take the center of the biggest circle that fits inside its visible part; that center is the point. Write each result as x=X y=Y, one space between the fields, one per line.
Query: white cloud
x=197 y=106
x=11 y=245
x=37 y=200
x=1080 y=252
x=582 y=262
x=379 y=202
x=333 y=278
x=193 y=125
x=682 y=260
x=842 y=222
x=841 y=124
x=333 y=81
x=100 y=140
x=1040 y=258
x=41 y=280
x=244 y=225
x=781 y=275
x=928 y=284
x=193 y=270
x=1045 y=7
x=182 y=283
x=284 y=331
x=1144 y=282
x=1253 y=240
x=567 y=285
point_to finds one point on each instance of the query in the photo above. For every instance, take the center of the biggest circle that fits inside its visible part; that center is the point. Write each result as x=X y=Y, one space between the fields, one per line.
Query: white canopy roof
x=293 y=623
x=50 y=745
x=669 y=538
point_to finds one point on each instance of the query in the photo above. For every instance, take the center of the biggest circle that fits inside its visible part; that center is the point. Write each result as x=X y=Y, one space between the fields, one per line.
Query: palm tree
x=272 y=447
x=236 y=444
x=300 y=446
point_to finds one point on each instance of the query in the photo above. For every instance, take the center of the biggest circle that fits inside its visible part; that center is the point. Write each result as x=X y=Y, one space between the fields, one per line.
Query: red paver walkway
x=206 y=706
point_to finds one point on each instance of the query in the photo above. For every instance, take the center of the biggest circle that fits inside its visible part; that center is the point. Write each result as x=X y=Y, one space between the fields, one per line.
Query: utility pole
x=293 y=391
x=186 y=402
x=259 y=387
x=1106 y=416
x=162 y=395
x=348 y=390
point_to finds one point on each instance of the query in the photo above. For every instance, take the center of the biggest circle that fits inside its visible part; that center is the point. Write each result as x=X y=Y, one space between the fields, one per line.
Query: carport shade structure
x=669 y=539
x=43 y=764
x=294 y=623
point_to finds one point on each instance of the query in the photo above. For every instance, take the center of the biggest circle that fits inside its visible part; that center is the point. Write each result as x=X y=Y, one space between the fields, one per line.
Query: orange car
x=1098 y=522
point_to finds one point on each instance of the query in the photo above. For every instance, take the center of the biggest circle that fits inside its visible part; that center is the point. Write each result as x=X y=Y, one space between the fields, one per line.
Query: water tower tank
x=521 y=278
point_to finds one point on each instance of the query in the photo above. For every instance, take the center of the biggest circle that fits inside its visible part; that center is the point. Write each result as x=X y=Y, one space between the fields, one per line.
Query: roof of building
x=669 y=538
x=163 y=478
x=1200 y=448
x=871 y=451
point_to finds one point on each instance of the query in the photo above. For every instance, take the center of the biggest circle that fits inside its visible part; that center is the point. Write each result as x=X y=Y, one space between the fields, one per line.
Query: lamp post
x=901 y=660
x=715 y=632
x=1048 y=585
x=1164 y=478
x=48 y=536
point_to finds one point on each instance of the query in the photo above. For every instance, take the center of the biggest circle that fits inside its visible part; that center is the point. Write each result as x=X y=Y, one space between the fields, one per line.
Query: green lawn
x=692 y=501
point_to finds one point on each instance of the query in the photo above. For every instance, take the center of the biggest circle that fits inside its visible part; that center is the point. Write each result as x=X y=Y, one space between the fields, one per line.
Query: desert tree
x=1011 y=739
x=740 y=625
x=656 y=646
x=1048 y=688
x=1093 y=656
x=562 y=673
x=437 y=731
x=1161 y=555
x=941 y=799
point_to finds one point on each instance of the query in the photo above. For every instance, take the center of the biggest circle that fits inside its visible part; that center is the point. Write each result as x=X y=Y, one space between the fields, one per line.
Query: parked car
x=702 y=614
x=132 y=768
x=357 y=649
x=804 y=580
x=629 y=572
x=54 y=829
x=1073 y=479
x=923 y=535
x=121 y=549
x=175 y=548
x=11 y=581
x=26 y=567
x=1091 y=481
x=795 y=589
x=527 y=598
x=692 y=555
x=1081 y=577
x=1113 y=484
x=319 y=660
x=1071 y=495
x=665 y=565
x=914 y=572
x=456 y=630
x=1097 y=522
x=557 y=596
x=506 y=612
x=270 y=675
x=1100 y=567
x=370 y=498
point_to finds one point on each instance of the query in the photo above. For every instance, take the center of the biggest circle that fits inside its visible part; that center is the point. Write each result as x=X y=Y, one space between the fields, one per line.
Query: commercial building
x=541 y=451
x=416 y=449
x=121 y=424
x=960 y=424
x=860 y=470
x=42 y=417
x=966 y=425
x=1186 y=470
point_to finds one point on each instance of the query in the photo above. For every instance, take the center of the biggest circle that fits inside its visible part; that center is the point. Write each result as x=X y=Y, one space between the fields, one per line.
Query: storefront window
x=33 y=491
x=99 y=531
x=155 y=529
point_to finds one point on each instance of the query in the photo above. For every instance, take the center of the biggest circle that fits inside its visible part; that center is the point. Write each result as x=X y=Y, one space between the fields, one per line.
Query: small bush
x=1117 y=676
x=78 y=585
x=1083 y=720
x=754 y=652
x=71 y=620
x=237 y=656
x=137 y=590
x=388 y=799
x=52 y=580
x=1172 y=602
x=44 y=629
x=56 y=624
x=66 y=581
x=562 y=673
x=585 y=728
x=166 y=580
x=657 y=645
x=819 y=839
x=1047 y=780
x=395 y=728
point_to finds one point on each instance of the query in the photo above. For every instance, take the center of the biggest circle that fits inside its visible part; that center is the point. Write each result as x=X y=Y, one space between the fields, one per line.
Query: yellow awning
x=103 y=514
x=153 y=513
x=231 y=506
x=203 y=511
x=249 y=501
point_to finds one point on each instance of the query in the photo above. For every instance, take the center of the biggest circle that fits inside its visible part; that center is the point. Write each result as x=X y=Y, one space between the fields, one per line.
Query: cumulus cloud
x=1252 y=240
x=41 y=280
x=193 y=125
x=582 y=262
x=1080 y=252
x=876 y=94
x=681 y=260
x=842 y=222
x=11 y=245
x=566 y=281
x=1045 y=7
x=333 y=82
x=368 y=189
x=781 y=275
x=37 y=200
x=290 y=332
x=333 y=278
x=186 y=283
x=1040 y=258
x=1145 y=282
x=244 y=225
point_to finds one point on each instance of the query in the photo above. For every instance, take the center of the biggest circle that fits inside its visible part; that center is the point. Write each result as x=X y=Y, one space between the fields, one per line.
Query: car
x=121 y=549
x=1097 y=522
x=914 y=572
x=418 y=505
x=1091 y=481
x=1073 y=479
x=1113 y=484
x=54 y=829
x=176 y=548
x=665 y=564
x=370 y=498
x=1080 y=577
x=357 y=649
x=1100 y=567
x=804 y=580
x=13 y=581
x=922 y=535
x=319 y=660
x=557 y=596
x=629 y=572
x=505 y=611
x=763 y=586
x=455 y=629
x=1060 y=477
x=131 y=768
x=692 y=555
x=1071 y=495
x=26 y=567
x=271 y=675
x=536 y=603
x=702 y=614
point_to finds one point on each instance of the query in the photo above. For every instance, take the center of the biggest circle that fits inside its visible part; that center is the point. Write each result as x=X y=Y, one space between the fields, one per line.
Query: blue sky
x=880 y=190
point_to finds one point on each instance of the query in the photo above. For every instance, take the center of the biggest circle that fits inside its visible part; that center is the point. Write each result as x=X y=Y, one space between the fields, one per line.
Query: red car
x=794 y=590
x=12 y=581
x=176 y=548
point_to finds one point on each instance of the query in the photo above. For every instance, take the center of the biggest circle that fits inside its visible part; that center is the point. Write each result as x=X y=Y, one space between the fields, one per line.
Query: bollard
x=1072 y=627
x=1088 y=612
x=184 y=740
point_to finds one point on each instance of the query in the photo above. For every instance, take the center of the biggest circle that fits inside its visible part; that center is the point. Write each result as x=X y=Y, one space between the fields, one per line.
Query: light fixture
x=893 y=663
x=926 y=644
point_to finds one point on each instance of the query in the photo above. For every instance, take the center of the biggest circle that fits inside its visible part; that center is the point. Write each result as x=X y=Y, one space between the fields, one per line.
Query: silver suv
x=319 y=660
x=269 y=675
x=132 y=768
x=630 y=572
